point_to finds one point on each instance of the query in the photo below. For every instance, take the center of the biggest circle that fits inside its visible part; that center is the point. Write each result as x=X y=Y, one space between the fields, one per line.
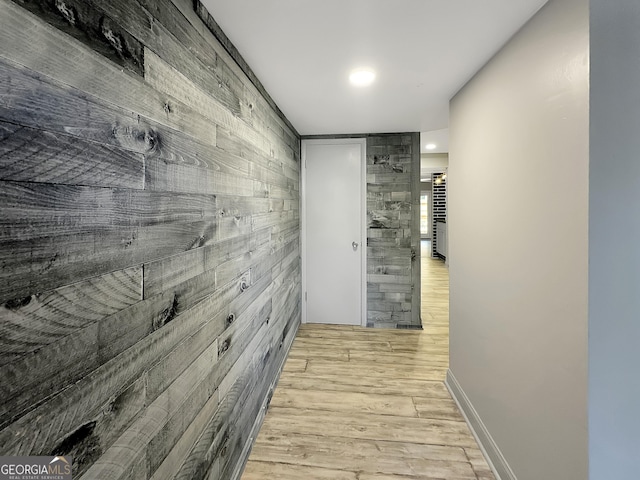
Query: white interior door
x=334 y=231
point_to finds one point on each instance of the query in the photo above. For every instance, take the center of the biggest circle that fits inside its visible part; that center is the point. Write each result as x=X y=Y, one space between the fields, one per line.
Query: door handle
x=354 y=245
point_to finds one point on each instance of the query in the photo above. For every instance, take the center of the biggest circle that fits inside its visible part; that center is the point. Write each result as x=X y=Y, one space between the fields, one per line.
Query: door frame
x=362 y=142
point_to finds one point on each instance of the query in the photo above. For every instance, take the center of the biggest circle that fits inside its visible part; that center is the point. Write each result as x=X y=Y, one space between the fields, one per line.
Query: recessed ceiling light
x=430 y=146
x=362 y=77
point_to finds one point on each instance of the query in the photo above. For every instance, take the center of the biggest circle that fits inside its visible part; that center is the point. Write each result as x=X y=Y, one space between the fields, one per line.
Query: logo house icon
x=60 y=466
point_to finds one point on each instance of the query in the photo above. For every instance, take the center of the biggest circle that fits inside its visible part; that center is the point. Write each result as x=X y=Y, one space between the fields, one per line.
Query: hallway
x=369 y=404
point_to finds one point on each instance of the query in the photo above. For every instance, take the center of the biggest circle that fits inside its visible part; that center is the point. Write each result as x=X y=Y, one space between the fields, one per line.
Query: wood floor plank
x=345 y=402
x=369 y=426
x=337 y=354
x=478 y=463
x=364 y=384
x=354 y=368
x=443 y=408
x=355 y=332
x=257 y=470
x=365 y=345
x=384 y=476
x=295 y=365
x=403 y=358
x=364 y=455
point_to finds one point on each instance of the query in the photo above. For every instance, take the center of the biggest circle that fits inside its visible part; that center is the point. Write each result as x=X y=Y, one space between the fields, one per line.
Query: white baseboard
x=492 y=453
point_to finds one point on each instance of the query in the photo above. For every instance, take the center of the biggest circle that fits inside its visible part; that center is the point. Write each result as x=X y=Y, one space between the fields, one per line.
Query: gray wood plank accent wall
x=393 y=230
x=149 y=258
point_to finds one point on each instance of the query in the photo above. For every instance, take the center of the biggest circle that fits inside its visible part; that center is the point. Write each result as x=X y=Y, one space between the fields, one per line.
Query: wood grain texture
x=95 y=29
x=30 y=155
x=68 y=232
x=75 y=68
x=355 y=417
x=161 y=76
x=30 y=323
x=127 y=451
x=149 y=273
x=392 y=232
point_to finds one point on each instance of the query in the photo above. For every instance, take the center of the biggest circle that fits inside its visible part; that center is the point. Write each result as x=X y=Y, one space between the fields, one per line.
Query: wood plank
x=31 y=155
x=439 y=357
x=171 y=462
x=80 y=399
x=87 y=442
x=52 y=339
x=214 y=445
x=360 y=333
x=442 y=408
x=378 y=345
x=354 y=368
x=165 y=442
x=368 y=426
x=215 y=436
x=102 y=230
x=161 y=76
x=99 y=32
x=229 y=141
x=198 y=64
x=479 y=463
x=427 y=476
x=169 y=177
x=65 y=258
x=208 y=430
x=28 y=100
x=364 y=455
x=259 y=470
x=295 y=365
x=197 y=266
x=236 y=266
x=74 y=68
x=226 y=300
x=117 y=462
x=364 y=383
x=247 y=307
x=32 y=322
x=336 y=354
x=243 y=418
x=344 y=402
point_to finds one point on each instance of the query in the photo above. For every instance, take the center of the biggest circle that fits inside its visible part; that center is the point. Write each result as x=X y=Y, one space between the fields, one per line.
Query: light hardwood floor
x=369 y=404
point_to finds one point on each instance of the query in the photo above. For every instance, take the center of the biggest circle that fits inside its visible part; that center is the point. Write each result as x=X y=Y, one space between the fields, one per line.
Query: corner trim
x=487 y=444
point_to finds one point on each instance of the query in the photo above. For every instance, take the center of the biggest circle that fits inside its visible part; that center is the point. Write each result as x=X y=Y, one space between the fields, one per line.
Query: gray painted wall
x=614 y=236
x=519 y=252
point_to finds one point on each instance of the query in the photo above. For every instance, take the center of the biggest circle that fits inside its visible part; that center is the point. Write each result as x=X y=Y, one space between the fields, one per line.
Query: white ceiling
x=422 y=50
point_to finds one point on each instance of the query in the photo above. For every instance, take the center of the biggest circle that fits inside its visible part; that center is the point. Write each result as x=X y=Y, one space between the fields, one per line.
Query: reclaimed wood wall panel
x=393 y=235
x=149 y=240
